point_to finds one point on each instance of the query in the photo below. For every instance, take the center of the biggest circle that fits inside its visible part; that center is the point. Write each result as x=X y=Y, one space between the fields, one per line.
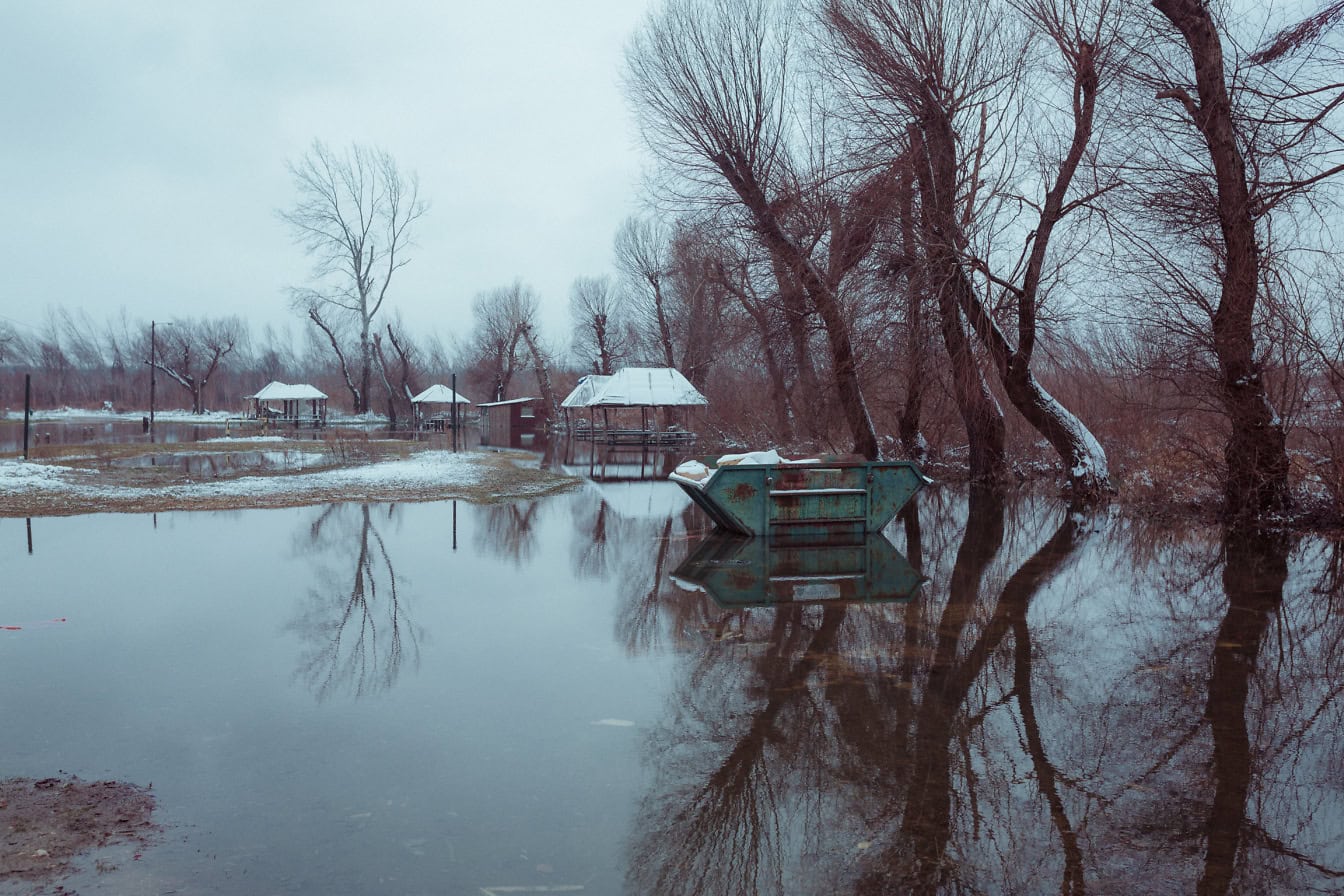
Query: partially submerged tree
x=1240 y=143
x=946 y=72
x=354 y=215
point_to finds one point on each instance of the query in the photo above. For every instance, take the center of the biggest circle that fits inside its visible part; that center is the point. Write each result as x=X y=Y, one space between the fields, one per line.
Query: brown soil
x=45 y=825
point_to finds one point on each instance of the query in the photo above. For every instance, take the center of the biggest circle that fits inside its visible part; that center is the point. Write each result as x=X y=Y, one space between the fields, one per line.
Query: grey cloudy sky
x=145 y=145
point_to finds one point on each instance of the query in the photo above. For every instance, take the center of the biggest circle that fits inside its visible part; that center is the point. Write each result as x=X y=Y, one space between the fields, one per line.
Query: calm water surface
x=443 y=698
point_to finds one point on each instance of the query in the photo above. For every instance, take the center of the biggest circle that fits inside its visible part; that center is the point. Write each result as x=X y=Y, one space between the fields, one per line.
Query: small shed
x=299 y=404
x=509 y=424
x=425 y=404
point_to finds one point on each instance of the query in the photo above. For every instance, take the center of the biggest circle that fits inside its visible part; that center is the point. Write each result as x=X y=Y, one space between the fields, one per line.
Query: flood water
x=539 y=697
x=92 y=431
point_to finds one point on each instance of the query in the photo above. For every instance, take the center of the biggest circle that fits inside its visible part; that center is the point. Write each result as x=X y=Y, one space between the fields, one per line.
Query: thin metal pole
x=152 y=359
x=452 y=420
x=29 y=521
x=27 y=409
x=454 y=525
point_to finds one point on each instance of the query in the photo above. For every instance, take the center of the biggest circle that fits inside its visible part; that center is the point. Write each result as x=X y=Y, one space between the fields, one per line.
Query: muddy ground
x=49 y=827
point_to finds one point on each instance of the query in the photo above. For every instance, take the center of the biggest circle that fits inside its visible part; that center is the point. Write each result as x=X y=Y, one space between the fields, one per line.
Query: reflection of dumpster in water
x=816 y=498
x=746 y=572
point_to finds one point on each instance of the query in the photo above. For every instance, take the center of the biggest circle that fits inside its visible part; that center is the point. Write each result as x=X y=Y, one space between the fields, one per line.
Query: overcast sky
x=145 y=145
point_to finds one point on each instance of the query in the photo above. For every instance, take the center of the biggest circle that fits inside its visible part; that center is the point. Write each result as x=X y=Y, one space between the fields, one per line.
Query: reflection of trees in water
x=508 y=530
x=354 y=621
x=979 y=739
x=589 y=549
x=1247 y=681
x=639 y=552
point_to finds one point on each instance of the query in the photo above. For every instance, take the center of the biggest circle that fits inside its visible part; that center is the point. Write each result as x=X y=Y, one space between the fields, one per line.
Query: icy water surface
x=538 y=697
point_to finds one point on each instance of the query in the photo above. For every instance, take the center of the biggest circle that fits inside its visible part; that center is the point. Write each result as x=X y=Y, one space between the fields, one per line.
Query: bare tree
x=505 y=318
x=494 y=341
x=597 y=311
x=1258 y=139
x=748 y=285
x=710 y=82
x=947 y=70
x=193 y=350
x=642 y=256
x=354 y=215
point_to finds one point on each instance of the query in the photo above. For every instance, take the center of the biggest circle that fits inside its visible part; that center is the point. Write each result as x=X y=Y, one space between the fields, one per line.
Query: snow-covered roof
x=278 y=391
x=634 y=387
x=439 y=394
x=585 y=391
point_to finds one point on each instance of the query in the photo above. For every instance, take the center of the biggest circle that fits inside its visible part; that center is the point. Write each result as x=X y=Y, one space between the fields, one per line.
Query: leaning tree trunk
x=1256 y=452
x=1084 y=459
x=737 y=171
x=980 y=412
x=316 y=318
x=543 y=374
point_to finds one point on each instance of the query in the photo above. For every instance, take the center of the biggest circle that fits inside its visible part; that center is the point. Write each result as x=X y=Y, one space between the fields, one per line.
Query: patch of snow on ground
x=430 y=469
x=19 y=476
x=247 y=439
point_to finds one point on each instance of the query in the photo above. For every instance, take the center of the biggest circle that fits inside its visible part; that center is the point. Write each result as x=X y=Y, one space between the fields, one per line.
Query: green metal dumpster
x=737 y=571
x=807 y=500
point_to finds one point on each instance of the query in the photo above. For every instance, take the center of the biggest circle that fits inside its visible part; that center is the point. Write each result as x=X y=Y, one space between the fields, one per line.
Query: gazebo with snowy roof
x=438 y=395
x=300 y=404
x=646 y=388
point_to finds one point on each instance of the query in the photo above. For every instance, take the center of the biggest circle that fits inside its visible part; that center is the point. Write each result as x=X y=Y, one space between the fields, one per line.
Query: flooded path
x=448 y=698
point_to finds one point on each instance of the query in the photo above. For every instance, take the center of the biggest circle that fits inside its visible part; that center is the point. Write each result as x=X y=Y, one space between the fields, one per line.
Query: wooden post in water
x=27 y=409
x=454 y=525
x=29 y=521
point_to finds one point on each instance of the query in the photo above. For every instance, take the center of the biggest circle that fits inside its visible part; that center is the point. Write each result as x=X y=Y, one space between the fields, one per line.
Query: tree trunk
x=845 y=368
x=794 y=303
x=1256 y=453
x=387 y=382
x=980 y=412
x=365 y=366
x=1084 y=459
x=543 y=374
x=912 y=438
x=316 y=318
x=664 y=330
